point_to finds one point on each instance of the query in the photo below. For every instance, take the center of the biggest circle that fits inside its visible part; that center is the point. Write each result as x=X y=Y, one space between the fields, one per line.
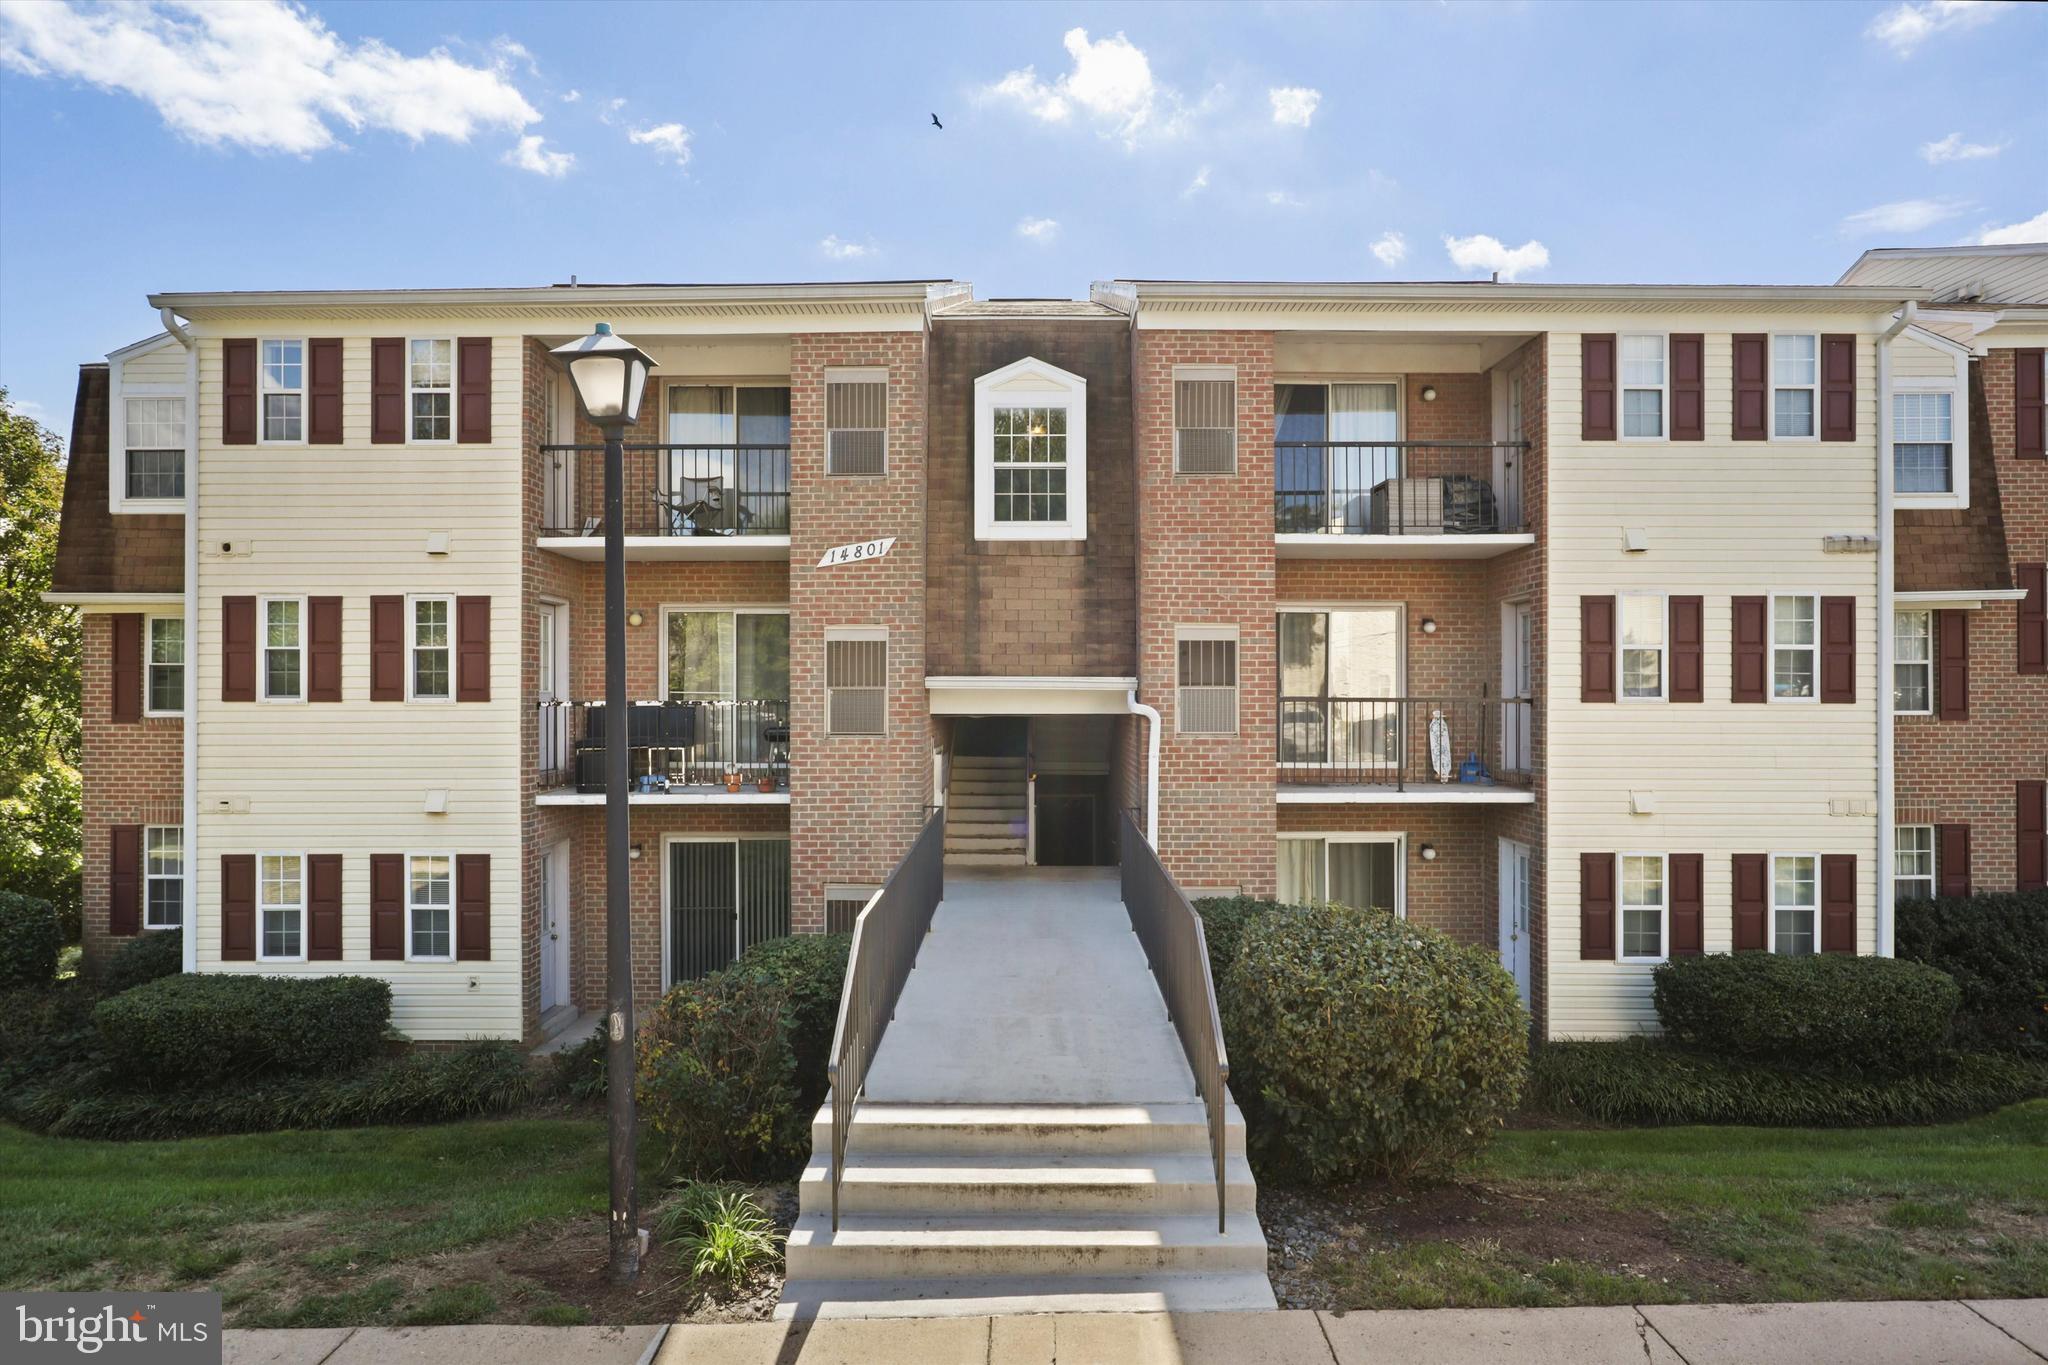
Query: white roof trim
x=1162 y=291
x=978 y=683
x=1957 y=599
x=114 y=601
x=573 y=298
x=155 y=343
x=1935 y=339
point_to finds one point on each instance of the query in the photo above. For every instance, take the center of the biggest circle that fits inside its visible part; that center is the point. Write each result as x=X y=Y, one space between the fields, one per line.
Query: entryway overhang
x=1029 y=696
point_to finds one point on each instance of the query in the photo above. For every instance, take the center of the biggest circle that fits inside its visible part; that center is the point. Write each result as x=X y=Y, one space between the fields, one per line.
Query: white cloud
x=1391 y=249
x=265 y=76
x=670 y=141
x=1282 y=199
x=2035 y=229
x=572 y=97
x=1111 y=83
x=532 y=155
x=1481 y=252
x=1903 y=215
x=1907 y=25
x=839 y=249
x=1196 y=185
x=1294 y=105
x=1038 y=229
x=1953 y=148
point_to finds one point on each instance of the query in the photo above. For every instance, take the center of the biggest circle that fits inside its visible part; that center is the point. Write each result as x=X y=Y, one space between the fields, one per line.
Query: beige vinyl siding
x=1723 y=520
x=1915 y=359
x=164 y=364
x=351 y=778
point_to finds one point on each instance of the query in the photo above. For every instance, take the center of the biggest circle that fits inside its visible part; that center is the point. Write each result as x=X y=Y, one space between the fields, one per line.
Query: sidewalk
x=1991 y=1332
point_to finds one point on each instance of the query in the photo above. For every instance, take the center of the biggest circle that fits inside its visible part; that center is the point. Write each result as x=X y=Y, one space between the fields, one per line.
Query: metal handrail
x=672 y=489
x=1373 y=740
x=1178 y=951
x=886 y=936
x=1395 y=487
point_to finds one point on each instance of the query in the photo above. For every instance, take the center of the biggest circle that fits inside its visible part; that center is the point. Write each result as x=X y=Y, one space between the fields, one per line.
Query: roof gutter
x=1143 y=291
x=579 y=298
x=1887 y=765
x=188 y=746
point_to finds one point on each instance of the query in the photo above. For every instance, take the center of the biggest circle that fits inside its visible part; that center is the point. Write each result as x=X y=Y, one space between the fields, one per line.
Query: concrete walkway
x=1992 y=1332
x=1031 y=990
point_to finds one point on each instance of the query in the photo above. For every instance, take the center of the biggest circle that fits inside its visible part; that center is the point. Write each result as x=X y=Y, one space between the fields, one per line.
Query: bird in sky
x=936 y=123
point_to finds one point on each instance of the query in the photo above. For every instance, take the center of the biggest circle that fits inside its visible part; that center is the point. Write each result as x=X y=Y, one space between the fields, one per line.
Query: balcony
x=681 y=501
x=1398 y=499
x=680 y=752
x=1404 y=749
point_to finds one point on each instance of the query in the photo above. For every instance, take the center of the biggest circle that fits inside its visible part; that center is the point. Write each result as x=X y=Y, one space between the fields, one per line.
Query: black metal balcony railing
x=671 y=490
x=675 y=743
x=1394 y=488
x=1364 y=741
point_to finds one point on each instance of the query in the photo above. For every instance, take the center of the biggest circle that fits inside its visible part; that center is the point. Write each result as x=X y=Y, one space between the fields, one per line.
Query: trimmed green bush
x=811 y=969
x=717 y=1080
x=1873 y=1014
x=1647 y=1081
x=1361 y=1044
x=583 y=1072
x=1996 y=950
x=28 y=940
x=190 y=1030
x=142 y=959
x=1224 y=920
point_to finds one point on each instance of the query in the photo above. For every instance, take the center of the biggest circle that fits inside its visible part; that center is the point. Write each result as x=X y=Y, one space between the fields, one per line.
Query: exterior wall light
x=1429 y=853
x=1429 y=393
x=634 y=618
x=1429 y=625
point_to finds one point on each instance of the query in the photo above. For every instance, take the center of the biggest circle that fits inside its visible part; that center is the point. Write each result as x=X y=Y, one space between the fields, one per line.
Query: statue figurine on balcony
x=1439 y=746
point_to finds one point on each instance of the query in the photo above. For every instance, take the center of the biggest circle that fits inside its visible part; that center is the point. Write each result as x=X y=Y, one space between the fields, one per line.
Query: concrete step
x=963 y=787
x=889 y=1246
x=966 y=828
x=986 y=859
x=978 y=762
x=1012 y=813
x=1002 y=843
x=995 y=1129
x=976 y=1297
x=1030 y=1182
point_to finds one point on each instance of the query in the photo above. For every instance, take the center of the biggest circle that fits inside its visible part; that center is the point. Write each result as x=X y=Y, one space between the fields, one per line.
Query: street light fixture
x=610 y=375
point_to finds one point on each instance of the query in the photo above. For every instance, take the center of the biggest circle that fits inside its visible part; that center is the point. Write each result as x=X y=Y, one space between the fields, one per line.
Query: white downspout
x=1138 y=708
x=1887 y=802
x=188 y=736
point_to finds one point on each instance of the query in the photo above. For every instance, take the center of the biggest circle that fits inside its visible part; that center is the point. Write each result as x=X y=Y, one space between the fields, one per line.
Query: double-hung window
x=284 y=648
x=153 y=448
x=1913 y=863
x=281 y=908
x=281 y=378
x=1795 y=384
x=1643 y=649
x=430 y=388
x=1645 y=906
x=1913 y=663
x=430 y=908
x=163 y=876
x=1923 y=441
x=1205 y=702
x=1644 y=381
x=431 y=676
x=1795 y=648
x=1795 y=905
x=164 y=688
x=1030 y=453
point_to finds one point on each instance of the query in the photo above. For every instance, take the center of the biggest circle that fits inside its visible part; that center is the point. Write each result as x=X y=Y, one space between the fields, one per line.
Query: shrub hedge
x=1873 y=1014
x=1224 y=920
x=195 y=1030
x=1995 y=948
x=811 y=970
x=28 y=940
x=143 y=959
x=717 y=1078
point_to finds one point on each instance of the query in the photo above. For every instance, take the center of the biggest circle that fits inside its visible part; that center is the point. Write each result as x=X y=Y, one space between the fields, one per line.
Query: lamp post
x=610 y=374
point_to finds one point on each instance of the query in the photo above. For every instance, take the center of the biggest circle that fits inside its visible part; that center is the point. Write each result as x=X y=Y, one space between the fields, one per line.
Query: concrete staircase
x=985 y=818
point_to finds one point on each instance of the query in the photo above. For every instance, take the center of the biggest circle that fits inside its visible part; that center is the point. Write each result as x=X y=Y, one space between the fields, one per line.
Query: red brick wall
x=133 y=775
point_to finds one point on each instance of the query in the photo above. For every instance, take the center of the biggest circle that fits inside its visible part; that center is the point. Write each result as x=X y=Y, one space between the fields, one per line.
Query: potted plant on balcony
x=765 y=783
x=733 y=780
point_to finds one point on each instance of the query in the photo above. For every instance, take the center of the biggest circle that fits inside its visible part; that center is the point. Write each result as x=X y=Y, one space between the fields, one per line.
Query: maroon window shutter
x=472 y=907
x=1688 y=905
x=1952 y=664
x=2030 y=833
x=2033 y=617
x=238 y=907
x=1750 y=634
x=1838 y=649
x=323 y=391
x=238 y=391
x=1596 y=387
x=387 y=391
x=1596 y=649
x=387 y=907
x=238 y=649
x=1688 y=649
x=473 y=389
x=1596 y=907
x=126 y=677
x=2030 y=405
x=472 y=649
x=323 y=907
x=323 y=649
x=387 y=649
x=1749 y=900
x=1952 y=860
x=1688 y=386
x=1838 y=902
x=1752 y=368
x=124 y=880
x=1837 y=387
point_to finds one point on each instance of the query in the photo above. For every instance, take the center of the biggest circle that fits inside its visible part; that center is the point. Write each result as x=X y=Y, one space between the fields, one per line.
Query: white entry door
x=1514 y=913
x=554 y=927
x=553 y=668
x=1517 y=686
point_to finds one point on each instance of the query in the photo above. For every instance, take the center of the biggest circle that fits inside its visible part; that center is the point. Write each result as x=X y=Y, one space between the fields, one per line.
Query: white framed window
x=1913 y=662
x=1795 y=647
x=153 y=448
x=1923 y=441
x=281 y=392
x=1645 y=387
x=1364 y=871
x=857 y=421
x=283 y=666
x=430 y=907
x=1030 y=453
x=1645 y=907
x=1205 y=680
x=1204 y=419
x=1795 y=903
x=281 y=907
x=430 y=390
x=1643 y=657
x=430 y=671
x=163 y=876
x=1795 y=386
x=163 y=684
x=1913 y=863
x=856 y=680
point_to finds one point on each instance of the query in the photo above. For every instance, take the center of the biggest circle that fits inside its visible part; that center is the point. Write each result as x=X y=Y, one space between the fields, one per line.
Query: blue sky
x=162 y=147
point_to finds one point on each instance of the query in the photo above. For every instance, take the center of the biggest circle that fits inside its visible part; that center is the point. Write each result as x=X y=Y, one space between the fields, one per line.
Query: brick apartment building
x=1547 y=615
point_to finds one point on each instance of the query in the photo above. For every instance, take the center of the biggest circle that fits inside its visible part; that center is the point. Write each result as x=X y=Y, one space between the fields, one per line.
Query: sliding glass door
x=1340 y=687
x=737 y=664
x=1333 y=443
x=734 y=479
x=724 y=896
